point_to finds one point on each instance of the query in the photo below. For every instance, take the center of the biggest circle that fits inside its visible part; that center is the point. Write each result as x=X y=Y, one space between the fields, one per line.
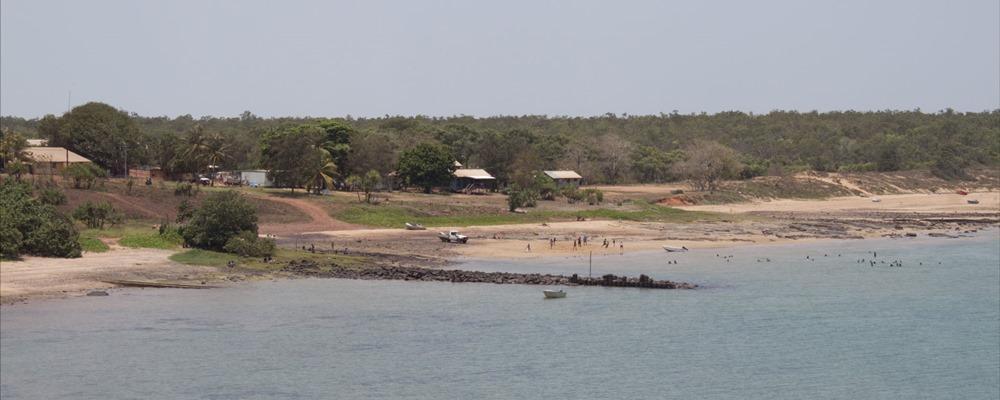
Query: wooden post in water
x=590 y=269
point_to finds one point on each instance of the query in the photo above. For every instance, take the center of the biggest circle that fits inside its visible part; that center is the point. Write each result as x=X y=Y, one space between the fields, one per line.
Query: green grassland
x=392 y=216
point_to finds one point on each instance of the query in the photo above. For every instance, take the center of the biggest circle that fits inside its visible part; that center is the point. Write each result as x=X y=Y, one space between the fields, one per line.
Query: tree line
x=319 y=152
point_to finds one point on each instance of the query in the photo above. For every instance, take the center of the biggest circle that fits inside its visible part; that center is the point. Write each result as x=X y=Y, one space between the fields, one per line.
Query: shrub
x=52 y=196
x=54 y=237
x=248 y=244
x=593 y=196
x=518 y=198
x=572 y=194
x=28 y=226
x=95 y=215
x=221 y=216
x=184 y=211
x=184 y=189
x=858 y=167
x=84 y=175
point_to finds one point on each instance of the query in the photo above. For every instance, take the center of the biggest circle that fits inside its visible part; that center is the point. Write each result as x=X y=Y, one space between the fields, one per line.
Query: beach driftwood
x=392 y=272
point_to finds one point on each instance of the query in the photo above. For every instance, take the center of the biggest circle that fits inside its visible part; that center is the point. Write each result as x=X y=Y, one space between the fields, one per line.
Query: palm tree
x=323 y=173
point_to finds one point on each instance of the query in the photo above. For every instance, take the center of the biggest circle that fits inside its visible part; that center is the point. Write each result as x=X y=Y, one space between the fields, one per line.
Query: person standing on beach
x=621 y=248
x=529 y=247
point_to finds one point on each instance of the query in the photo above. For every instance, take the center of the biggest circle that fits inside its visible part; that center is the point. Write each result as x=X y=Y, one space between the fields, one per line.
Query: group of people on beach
x=580 y=241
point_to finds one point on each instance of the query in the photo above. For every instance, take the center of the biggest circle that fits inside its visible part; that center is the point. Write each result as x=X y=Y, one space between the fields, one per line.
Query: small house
x=565 y=178
x=472 y=180
x=256 y=178
x=145 y=172
x=47 y=160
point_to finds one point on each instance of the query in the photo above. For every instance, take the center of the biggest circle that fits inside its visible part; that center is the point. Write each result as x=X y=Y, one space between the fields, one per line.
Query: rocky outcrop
x=392 y=272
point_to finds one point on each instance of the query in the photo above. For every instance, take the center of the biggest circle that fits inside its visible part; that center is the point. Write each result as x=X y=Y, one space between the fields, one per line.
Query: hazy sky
x=371 y=58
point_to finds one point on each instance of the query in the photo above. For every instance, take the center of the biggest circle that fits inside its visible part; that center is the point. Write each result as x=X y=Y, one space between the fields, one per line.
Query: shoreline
x=71 y=281
x=759 y=223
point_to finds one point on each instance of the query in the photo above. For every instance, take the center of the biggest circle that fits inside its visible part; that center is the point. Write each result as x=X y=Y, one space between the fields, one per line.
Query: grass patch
x=281 y=256
x=387 y=216
x=151 y=240
x=136 y=236
x=204 y=257
x=93 y=244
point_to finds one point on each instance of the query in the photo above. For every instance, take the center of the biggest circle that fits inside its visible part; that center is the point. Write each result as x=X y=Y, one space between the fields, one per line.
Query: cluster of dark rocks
x=395 y=272
x=624 y=281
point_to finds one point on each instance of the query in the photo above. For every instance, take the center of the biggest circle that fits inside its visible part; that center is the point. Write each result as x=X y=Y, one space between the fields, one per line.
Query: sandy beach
x=763 y=222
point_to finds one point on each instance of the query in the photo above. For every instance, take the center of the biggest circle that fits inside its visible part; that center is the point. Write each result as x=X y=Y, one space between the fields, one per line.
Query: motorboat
x=415 y=227
x=675 y=249
x=554 y=294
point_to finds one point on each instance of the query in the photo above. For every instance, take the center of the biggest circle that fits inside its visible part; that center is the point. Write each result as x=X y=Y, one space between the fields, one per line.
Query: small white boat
x=876 y=200
x=415 y=227
x=675 y=249
x=554 y=294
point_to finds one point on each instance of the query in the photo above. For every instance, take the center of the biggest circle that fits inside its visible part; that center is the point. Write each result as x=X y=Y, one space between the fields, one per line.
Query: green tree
x=221 y=216
x=365 y=184
x=95 y=215
x=427 y=165
x=101 y=133
x=12 y=147
x=291 y=155
x=324 y=172
x=29 y=227
x=707 y=163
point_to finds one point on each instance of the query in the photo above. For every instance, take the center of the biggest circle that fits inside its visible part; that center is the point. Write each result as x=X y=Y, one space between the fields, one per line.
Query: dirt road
x=319 y=219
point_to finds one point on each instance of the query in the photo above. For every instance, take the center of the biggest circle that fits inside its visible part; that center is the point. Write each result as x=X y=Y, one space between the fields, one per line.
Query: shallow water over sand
x=791 y=328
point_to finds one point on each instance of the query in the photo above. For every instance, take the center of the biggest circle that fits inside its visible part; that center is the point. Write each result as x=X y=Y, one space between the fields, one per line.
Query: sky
x=511 y=57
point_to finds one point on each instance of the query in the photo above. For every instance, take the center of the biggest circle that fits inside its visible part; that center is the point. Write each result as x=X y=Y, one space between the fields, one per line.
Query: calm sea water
x=788 y=329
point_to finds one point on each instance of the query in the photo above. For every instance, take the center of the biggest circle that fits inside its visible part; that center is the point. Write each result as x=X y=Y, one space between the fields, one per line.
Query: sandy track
x=42 y=277
x=319 y=219
x=989 y=203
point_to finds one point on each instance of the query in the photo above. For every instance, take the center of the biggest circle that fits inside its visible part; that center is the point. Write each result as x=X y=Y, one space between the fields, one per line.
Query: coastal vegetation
x=610 y=148
x=29 y=226
x=226 y=221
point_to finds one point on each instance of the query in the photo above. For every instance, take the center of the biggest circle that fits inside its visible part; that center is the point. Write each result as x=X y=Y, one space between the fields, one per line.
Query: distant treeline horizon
x=609 y=148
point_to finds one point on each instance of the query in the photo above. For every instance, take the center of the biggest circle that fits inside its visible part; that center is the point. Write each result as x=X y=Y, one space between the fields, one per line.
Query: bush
x=55 y=237
x=184 y=211
x=593 y=196
x=52 y=196
x=28 y=226
x=858 y=167
x=248 y=244
x=96 y=215
x=84 y=175
x=184 y=189
x=222 y=216
x=572 y=194
x=518 y=198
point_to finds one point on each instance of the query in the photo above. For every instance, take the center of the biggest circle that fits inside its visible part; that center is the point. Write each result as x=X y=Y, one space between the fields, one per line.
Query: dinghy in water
x=554 y=294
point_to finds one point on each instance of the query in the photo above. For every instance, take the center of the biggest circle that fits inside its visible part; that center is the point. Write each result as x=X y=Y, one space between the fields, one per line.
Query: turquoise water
x=788 y=329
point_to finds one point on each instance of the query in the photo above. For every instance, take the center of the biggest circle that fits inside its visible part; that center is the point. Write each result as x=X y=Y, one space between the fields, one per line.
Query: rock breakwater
x=393 y=272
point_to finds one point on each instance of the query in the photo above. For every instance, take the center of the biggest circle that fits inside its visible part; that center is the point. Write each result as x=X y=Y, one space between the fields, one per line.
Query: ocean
x=768 y=323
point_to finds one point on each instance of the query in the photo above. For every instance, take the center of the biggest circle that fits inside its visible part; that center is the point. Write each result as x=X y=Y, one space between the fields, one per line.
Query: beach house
x=565 y=178
x=472 y=180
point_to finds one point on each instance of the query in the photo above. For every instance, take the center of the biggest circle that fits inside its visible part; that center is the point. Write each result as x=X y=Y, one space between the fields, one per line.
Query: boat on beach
x=415 y=227
x=972 y=201
x=675 y=249
x=554 y=294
